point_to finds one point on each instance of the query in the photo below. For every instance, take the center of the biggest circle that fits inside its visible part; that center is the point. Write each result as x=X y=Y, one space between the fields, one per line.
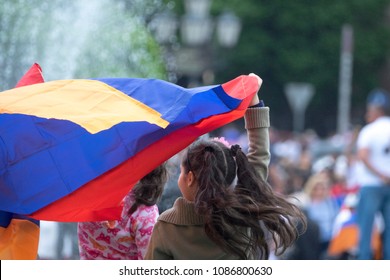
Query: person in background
x=373 y=150
x=227 y=209
x=67 y=231
x=170 y=193
x=308 y=244
x=127 y=238
x=321 y=207
x=344 y=243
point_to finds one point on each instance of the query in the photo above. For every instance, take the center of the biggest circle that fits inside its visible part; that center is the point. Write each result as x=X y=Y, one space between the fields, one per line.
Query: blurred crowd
x=320 y=176
x=316 y=173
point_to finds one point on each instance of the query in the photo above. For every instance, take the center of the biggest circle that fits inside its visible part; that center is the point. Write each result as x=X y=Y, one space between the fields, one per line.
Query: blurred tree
x=299 y=41
x=121 y=45
x=77 y=39
x=283 y=41
x=23 y=25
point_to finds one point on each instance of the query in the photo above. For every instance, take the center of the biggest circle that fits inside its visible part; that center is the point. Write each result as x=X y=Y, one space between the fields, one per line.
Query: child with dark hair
x=227 y=209
x=127 y=238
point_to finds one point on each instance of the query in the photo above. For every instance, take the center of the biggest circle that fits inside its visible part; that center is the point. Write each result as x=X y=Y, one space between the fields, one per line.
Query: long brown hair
x=239 y=218
x=149 y=189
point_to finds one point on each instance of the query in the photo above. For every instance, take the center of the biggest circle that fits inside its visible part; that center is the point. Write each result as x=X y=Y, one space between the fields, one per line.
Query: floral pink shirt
x=125 y=239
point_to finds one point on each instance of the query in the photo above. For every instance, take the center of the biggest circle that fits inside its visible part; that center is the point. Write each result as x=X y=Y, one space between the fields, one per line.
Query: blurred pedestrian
x=373 y=148
x=344 y=243
x=308 y=244
x=67 y=231
x=171 y=192
x=321 y=207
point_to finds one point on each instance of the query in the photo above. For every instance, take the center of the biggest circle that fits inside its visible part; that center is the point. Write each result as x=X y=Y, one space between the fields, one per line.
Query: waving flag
x=19 y=235
x=32 y=76
x=70 y=150
x=345 y=236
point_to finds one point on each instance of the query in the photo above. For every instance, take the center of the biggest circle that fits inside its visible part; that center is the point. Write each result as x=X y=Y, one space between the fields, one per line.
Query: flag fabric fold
x=19 y=235
x=32 y=76
x=70 y=150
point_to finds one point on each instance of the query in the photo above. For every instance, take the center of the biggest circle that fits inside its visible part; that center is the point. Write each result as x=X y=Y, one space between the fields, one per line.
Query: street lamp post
x=345 y=79
x=193 y=58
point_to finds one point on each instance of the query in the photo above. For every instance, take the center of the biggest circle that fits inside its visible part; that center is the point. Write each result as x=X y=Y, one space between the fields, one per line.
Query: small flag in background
x=345 y=237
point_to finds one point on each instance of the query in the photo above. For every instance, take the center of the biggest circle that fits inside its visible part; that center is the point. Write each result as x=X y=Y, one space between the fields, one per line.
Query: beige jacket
x=179 y=232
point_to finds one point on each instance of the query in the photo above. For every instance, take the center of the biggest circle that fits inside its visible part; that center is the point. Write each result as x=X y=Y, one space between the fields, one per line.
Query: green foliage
x=23 y=26
x=120 y=46
x=282 y=41
x=74 y=39
x=299 y=41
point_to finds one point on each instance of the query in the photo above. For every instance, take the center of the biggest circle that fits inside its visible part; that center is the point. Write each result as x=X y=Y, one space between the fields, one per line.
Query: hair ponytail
x=239 y=218
x=279 y=216
x=149 y=189
x=210 y=177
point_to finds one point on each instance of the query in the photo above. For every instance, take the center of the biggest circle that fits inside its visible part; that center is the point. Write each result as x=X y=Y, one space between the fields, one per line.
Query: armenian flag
x=70 y=150
x=19 y=235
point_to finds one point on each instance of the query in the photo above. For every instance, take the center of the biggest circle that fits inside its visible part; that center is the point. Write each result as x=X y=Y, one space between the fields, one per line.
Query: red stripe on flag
x=32 y=76
x=100 y=199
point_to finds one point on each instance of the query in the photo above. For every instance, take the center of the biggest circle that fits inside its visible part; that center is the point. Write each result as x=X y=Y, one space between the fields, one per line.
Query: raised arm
x=257 y=124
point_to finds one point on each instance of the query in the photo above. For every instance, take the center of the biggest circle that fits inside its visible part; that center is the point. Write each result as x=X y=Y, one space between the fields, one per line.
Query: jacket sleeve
x=156 y=249
x=257 y=124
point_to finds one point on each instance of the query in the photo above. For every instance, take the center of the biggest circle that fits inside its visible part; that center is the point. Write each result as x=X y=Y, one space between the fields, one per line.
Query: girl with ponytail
x=227 y=209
